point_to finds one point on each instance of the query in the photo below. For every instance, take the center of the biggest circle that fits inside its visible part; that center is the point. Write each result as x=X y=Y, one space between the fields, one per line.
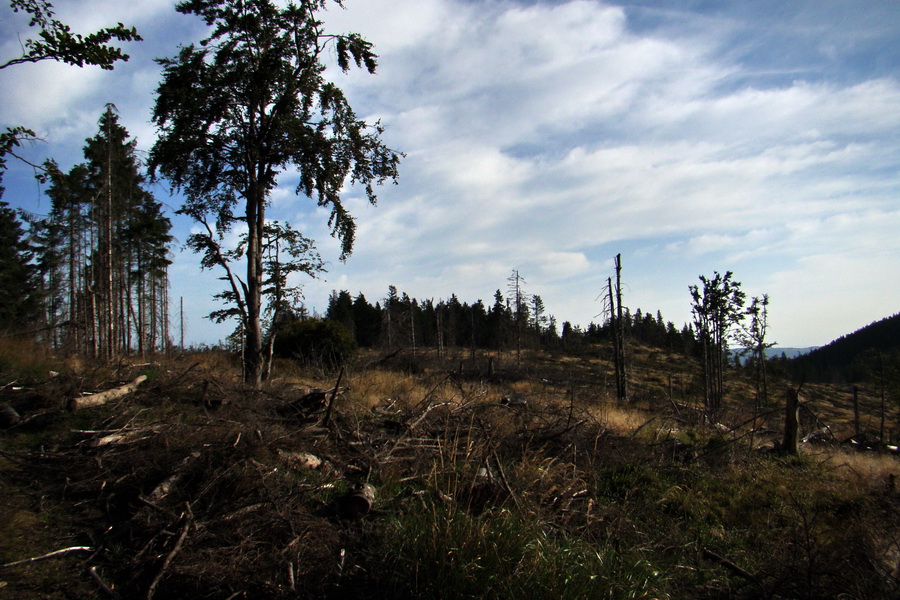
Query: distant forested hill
x=835 y=362
x=777 y=351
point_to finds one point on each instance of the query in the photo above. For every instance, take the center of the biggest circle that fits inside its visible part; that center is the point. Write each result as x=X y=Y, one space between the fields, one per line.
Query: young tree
x=753 y=339
x=538 y=318
x=250 y=102
x=717 y=309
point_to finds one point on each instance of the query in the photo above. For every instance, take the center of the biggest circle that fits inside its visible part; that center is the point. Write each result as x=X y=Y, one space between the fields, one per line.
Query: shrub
x=315 y=342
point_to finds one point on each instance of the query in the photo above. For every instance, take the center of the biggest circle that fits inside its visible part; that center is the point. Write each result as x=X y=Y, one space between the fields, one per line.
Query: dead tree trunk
x=104 y=397
x=617 y=324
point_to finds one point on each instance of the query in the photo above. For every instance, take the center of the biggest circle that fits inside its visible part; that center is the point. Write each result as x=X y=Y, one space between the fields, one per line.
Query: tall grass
x=442 y=551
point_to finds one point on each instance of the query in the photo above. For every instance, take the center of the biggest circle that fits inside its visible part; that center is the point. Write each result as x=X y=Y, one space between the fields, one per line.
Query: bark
x=253 y=351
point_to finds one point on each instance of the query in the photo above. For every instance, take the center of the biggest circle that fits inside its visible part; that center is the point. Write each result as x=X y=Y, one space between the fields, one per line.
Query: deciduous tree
x=250 y=102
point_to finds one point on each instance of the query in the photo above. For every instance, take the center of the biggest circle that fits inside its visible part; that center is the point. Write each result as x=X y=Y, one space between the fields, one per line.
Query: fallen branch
x=53 y=554
x=103 y=587
x=101 y=398
x=168 y=484
x=710 y=555
x=129 y=436
x=171 y=555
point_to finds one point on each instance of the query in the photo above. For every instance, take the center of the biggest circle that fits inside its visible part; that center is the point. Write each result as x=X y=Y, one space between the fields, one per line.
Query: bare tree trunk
x=108 y=279
x=165 y=309
x=614 y=327
x=623 y=372
x=622 y=382
x=881 y=381
x=412 y=328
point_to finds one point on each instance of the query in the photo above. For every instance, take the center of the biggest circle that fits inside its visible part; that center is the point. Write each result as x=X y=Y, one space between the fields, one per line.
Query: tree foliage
x=315 y=342
x=835 y=361
x=752 y=337
x=717 y=309
x=249 y=103
x=56 y=41
x=19 y=295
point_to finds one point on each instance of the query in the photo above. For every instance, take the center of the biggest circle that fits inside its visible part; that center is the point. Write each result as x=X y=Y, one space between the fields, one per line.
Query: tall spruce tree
x=250 y=102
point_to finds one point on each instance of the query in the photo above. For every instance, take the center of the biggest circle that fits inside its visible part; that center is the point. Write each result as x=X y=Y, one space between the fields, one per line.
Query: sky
x=548 y=136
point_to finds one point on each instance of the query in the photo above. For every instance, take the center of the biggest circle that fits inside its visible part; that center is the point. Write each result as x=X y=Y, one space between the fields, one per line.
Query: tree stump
x=792 y=423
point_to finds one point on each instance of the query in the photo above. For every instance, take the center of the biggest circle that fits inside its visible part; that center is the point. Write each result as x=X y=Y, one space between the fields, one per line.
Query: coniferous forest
x=398 y=320
x=91 y=277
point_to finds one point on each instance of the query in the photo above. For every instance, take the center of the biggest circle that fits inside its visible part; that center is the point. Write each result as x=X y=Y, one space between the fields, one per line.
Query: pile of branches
x=189 y=484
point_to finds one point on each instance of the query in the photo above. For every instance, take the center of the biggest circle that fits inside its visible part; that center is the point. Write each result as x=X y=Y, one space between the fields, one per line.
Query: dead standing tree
x=617 y=325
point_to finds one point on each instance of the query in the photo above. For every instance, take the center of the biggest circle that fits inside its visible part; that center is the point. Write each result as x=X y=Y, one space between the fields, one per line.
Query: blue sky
x=548 y=136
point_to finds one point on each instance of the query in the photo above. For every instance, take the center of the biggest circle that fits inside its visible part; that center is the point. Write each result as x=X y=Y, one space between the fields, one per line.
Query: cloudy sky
x=547 y=136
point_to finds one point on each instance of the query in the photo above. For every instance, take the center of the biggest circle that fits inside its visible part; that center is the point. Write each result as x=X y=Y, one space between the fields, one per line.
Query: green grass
x=444 y=552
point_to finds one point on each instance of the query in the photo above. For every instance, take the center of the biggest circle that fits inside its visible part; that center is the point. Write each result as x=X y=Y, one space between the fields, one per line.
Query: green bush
x=315 y=342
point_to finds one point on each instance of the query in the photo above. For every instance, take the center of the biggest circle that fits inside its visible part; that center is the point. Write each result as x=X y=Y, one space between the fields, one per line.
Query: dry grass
x=863 y=470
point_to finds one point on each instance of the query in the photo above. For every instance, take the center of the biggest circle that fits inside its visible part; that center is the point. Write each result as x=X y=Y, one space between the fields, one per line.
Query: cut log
x=101 y=398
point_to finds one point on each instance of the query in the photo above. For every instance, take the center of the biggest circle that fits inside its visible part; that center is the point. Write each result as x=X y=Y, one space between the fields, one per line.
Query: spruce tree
x=104 y=250
x=18 y=290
